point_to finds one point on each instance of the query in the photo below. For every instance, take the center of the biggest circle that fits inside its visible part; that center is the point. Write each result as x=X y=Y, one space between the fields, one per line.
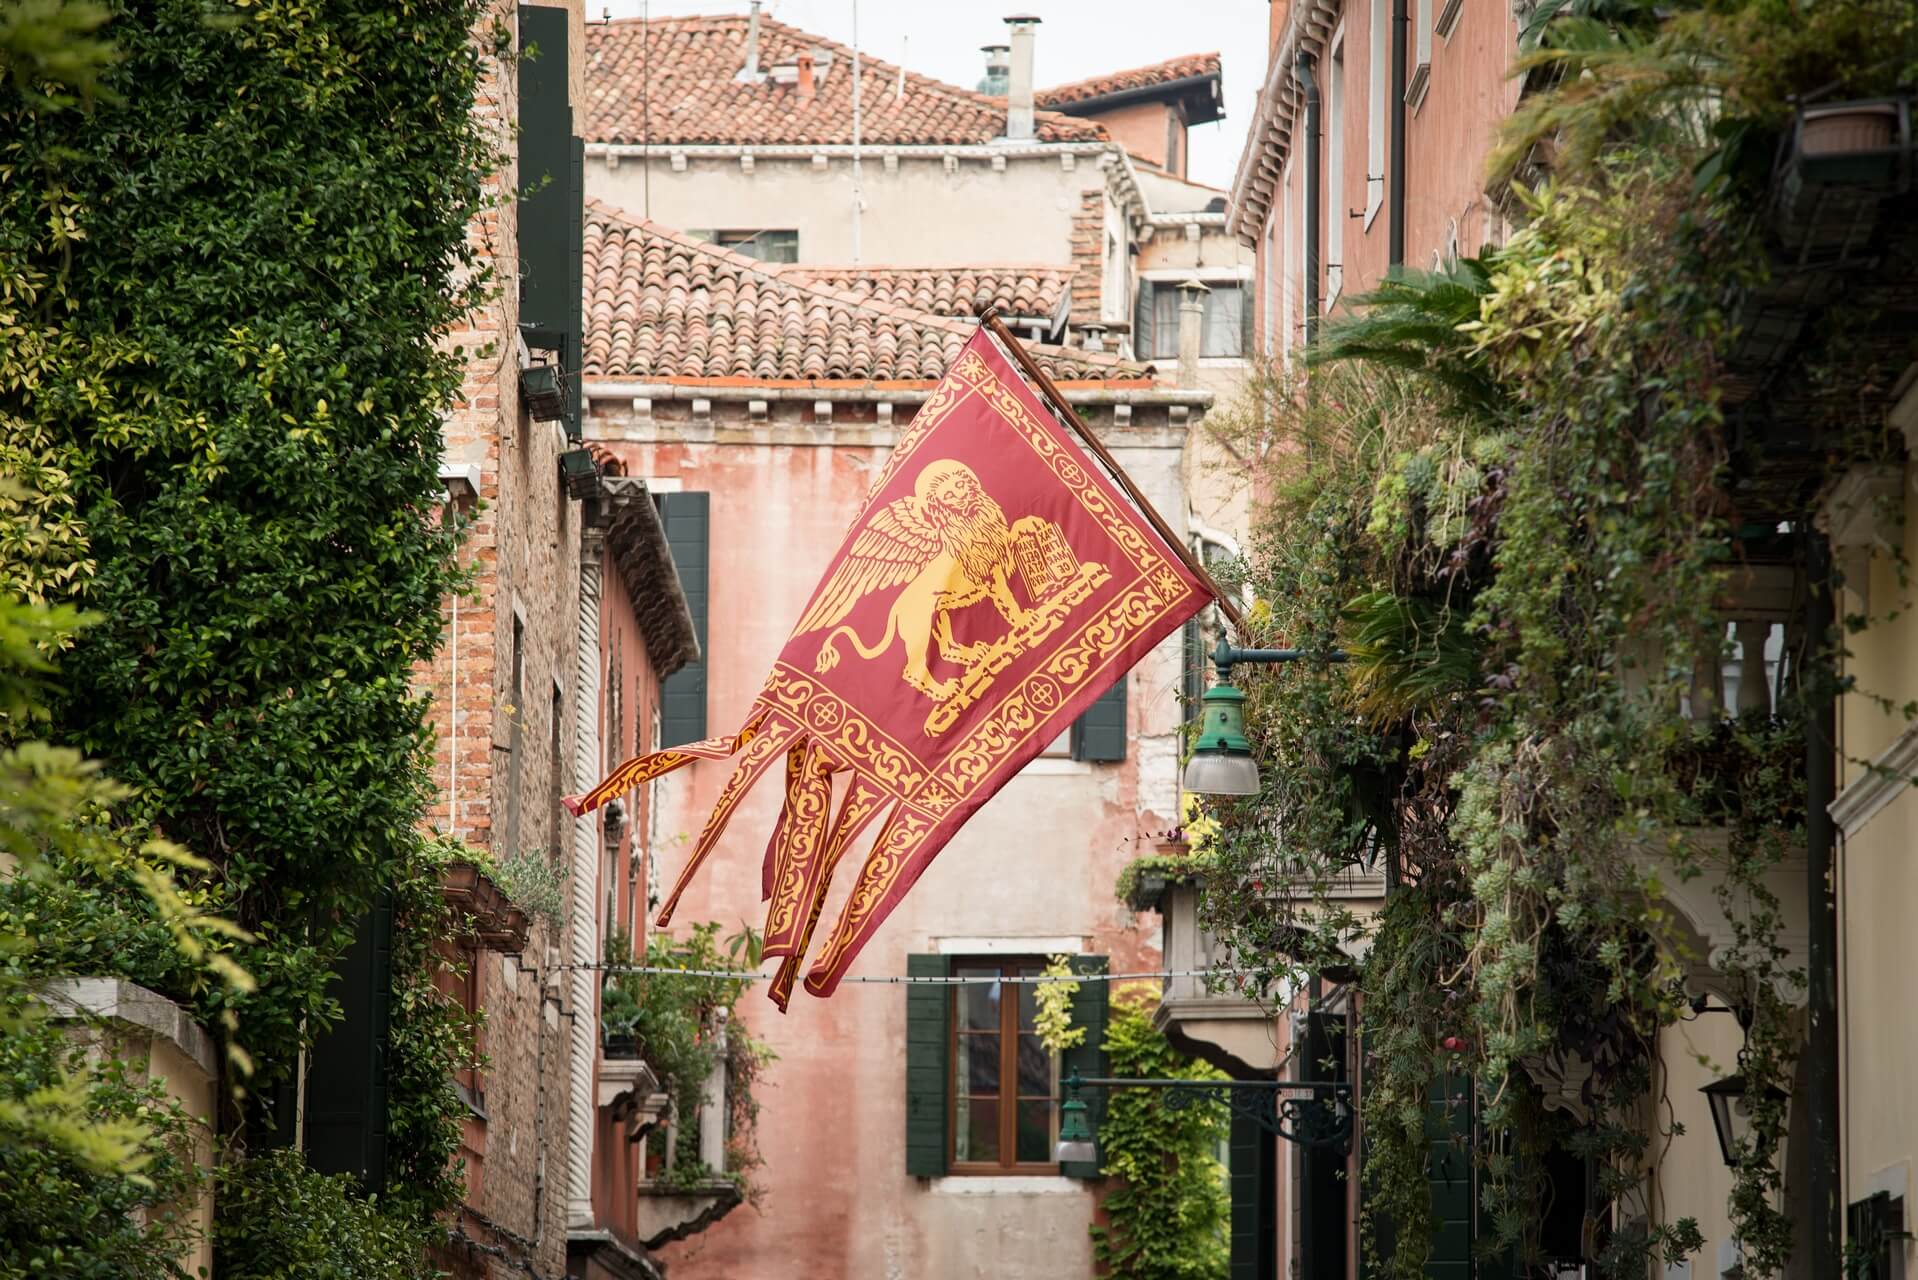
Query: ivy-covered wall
x=226 y=284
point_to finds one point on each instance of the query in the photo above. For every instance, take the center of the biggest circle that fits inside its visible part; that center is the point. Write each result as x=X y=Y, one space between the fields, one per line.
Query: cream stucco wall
x=1038 y=862
x=916 y=212
x=1877 y=891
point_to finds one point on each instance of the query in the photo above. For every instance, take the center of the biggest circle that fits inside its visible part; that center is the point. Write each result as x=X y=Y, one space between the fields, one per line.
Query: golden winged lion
x=950 y=546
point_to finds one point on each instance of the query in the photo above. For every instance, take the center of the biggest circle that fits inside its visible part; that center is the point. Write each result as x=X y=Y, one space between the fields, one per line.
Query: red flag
x=994 y=585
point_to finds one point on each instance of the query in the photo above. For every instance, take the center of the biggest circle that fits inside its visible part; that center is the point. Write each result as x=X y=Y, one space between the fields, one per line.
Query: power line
x=741 y=975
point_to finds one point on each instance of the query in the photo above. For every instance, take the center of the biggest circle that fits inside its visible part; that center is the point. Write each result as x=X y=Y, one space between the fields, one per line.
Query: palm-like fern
x=1405 y=654
x=1412 y=320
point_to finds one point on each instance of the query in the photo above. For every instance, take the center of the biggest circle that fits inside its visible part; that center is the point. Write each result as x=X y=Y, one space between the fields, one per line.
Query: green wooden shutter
x=928 y=1050
x=687 y=518
x=1088 y=1057
x=1247 y=341
x=346 y=1073
x=1448 y=1130
x=552 y=210
x=1253 y=1168
x=1142 y=323
x=1100 y=733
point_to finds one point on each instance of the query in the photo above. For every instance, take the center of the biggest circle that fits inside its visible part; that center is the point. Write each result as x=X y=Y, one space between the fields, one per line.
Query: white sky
x=1077 y=39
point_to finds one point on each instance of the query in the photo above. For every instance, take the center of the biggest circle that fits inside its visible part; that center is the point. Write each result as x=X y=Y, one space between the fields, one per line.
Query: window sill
x=1416 y=90
x=1055 y=766
x=1016 y=1184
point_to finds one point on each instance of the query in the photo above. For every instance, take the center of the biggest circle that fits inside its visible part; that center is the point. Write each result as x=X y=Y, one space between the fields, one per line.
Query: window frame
x=754 y=243
x=1008 y=1058
x=1375 y=103
x=1333 y=140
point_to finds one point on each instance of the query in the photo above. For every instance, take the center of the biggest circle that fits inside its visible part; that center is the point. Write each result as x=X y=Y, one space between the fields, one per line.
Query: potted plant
x=618 y=1016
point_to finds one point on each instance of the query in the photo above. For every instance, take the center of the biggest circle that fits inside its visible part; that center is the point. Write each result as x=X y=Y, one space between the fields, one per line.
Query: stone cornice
x=1887 y=778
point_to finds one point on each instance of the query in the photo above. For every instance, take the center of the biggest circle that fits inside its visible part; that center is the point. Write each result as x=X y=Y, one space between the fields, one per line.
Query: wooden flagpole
x=1058 y=401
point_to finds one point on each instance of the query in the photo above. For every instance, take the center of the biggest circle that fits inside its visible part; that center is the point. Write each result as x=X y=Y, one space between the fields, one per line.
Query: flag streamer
x=993 y=586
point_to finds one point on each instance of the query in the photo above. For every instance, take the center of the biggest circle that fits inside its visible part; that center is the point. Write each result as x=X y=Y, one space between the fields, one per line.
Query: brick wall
x=500 y=699
x=1088 y=256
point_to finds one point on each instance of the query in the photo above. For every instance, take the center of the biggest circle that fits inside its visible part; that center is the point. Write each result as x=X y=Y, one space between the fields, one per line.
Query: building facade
x=884 y=1153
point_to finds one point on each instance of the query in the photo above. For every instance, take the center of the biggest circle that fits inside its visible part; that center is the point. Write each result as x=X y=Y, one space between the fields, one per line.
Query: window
x=1222 y=324
x=1224 y=332
x=1335 y=208
x=1422 y=58
x=556 y=754
x=765 y=245
x=515 y=720
x=1267 y=276
x=1375 y=114
x=981 y=1092
x=1004 y=1081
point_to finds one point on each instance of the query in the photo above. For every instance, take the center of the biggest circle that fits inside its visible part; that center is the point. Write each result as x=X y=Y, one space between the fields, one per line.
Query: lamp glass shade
x=1732 y=1116
x=1222 y=773
x=1075 y=1138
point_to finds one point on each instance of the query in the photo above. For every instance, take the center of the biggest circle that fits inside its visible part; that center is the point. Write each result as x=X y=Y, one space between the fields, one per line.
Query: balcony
x=1231 y=1031
x=674 y=1202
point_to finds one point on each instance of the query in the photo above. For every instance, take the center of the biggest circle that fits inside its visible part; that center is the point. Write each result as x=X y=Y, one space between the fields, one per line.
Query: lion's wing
x=895 y=544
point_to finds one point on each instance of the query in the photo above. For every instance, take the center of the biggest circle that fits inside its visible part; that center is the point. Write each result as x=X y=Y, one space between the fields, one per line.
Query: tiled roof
x=672 y=80
x=1028 y=290
x=661 y=305
x=1191 y=66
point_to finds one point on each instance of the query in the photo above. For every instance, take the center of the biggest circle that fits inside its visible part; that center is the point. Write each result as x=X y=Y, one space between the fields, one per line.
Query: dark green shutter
x=687 y=518
x=1253 y=1168
x=928 y=1050
x=346 y=1074
x=1247 y=342
x=1088 y=1057
x=1448 y=1131
x=1100 y=734
x=1192 y=661
x=552 y=211
x=1142 y=323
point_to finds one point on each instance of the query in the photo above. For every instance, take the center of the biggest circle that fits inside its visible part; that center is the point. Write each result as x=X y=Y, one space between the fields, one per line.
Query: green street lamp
x=1075 y=1135
x=1222 y=763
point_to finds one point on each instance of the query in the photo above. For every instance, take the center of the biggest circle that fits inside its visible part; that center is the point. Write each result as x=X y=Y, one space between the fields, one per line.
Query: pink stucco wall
x=1038 y=862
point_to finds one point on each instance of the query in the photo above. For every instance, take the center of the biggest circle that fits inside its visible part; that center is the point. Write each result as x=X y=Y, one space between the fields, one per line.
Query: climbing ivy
x=1502 y=492
x=234 y=237
x=1168 y=1214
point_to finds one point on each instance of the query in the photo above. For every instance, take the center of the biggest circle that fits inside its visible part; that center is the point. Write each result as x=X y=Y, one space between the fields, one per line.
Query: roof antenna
x=858 y=197
x=899 y=87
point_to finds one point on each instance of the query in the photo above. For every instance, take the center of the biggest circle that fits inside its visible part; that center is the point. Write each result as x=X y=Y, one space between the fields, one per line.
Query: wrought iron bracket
x=1226 y=656
x=1311 y=1113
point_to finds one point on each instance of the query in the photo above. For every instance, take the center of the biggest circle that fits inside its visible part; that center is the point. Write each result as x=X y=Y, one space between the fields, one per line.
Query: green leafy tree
x=226 y=282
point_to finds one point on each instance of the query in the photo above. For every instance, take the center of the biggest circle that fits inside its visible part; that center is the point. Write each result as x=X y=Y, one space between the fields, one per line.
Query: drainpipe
x=1824 y=1183
x=1395 y=184
x=1311 y=88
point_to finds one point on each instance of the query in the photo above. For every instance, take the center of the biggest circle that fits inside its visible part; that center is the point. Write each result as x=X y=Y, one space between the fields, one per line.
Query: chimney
x=1191 y=331
x=1019 y=76
x=750 y=72
x=805 y=75
x=998 y=74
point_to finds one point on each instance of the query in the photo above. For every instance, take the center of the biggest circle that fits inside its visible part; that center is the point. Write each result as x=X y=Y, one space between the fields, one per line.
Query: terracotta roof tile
x=1017 y=290
x=672 y=80
x=1191 y=66
x=662 y=305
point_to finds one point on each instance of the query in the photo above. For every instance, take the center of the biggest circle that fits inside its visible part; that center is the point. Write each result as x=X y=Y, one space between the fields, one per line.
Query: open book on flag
x=994 y=585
